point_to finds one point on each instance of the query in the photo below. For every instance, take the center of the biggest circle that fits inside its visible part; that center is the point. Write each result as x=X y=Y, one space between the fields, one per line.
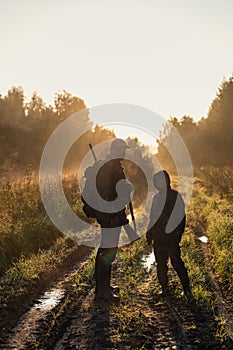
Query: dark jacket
x=107 y=178
x=167 y=218
x=106 y=181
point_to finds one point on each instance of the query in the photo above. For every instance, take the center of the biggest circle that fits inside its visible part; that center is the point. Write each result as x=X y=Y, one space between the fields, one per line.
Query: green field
x=32 y=250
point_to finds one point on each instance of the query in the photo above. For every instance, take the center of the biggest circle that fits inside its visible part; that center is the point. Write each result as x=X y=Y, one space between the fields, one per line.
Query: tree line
x=26 y=126
x=210 y=140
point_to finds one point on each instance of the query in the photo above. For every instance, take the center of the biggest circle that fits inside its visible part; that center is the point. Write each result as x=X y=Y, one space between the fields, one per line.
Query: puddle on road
x=50 y=299
x=203 y=239
x=29 y=322
x=148 y=260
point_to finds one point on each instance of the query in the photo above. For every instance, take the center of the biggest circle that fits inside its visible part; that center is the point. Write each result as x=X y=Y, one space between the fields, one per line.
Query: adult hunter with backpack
x=110 y=172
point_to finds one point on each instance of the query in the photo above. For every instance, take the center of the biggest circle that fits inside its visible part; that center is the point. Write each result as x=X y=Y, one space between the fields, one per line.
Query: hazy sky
x=169 y=56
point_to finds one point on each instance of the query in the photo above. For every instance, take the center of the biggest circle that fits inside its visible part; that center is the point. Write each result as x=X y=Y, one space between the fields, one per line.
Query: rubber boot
x=103 y=289
x=114 y=288
x=109 y=295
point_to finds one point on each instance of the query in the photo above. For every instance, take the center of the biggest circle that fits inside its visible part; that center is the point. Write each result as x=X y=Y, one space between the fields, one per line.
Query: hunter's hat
x=119 y=143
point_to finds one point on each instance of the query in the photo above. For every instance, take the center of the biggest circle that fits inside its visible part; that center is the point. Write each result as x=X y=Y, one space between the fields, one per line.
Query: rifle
x=132 y=216
x=130 y=203
x=92 y=151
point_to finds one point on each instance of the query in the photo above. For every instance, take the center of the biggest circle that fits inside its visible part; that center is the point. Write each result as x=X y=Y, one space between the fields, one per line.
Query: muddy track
x=165 y=323
x=22 y=317
x=95 y=325
x=168 y=323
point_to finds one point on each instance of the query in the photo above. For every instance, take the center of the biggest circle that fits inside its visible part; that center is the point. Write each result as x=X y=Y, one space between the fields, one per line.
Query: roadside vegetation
x=32 y=251
x=213 y=216
x=24 y=225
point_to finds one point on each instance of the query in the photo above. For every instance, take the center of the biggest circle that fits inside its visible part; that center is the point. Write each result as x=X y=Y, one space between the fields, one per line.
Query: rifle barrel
x=92 y=151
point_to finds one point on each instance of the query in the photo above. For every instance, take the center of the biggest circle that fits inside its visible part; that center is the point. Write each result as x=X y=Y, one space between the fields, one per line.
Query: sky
x=169 y=56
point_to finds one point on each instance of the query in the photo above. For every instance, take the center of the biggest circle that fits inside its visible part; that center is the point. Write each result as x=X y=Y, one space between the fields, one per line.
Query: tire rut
x=28 y=328
x=166 y=324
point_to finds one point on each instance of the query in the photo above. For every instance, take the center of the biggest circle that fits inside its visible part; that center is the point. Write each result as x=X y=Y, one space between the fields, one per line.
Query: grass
x=25 y=273
x=218 y=180
x=197 y=270
x=25 y=228
x=214 y=216
x=26 y=234
x=129 y=323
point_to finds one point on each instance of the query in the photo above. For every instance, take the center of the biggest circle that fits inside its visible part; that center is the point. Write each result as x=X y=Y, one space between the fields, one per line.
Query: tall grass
x=214 y=215
x=25 y=228
x=27 y=272
x=218 y=180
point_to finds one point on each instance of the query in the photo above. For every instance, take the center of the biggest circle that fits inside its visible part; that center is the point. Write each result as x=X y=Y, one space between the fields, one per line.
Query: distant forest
x=210 y=140
x=26 y=126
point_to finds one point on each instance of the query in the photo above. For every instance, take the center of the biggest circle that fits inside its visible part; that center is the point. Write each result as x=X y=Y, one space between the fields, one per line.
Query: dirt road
x=67 y=316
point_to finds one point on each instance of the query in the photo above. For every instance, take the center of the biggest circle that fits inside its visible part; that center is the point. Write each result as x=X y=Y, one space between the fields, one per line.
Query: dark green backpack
x=89 y=189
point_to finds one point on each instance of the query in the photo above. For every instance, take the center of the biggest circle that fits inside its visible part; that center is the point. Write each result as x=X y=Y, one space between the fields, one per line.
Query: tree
x=36 y=107
x=216 y=131
x=12 y=112
x=66 y=104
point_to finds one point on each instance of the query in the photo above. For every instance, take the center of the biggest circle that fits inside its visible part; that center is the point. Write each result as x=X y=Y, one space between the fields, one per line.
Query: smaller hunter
x=165 y=229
